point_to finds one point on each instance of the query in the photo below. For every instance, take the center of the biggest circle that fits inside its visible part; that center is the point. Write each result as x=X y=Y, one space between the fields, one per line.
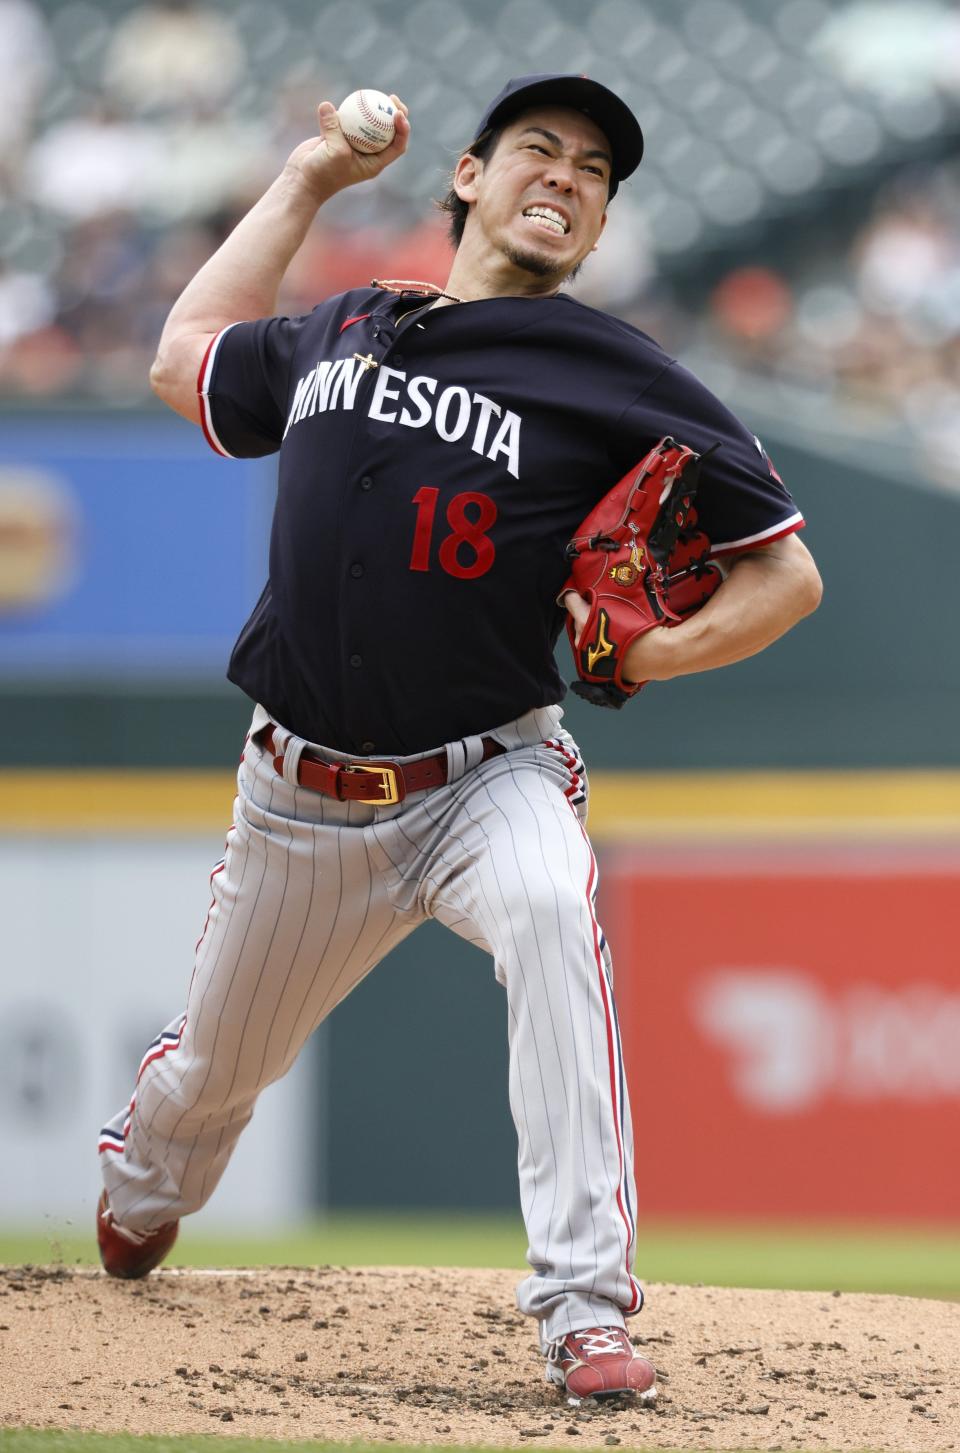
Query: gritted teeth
x=547 y=214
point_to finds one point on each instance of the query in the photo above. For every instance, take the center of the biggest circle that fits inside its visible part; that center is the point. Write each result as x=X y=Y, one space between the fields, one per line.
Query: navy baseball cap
x=613 y=116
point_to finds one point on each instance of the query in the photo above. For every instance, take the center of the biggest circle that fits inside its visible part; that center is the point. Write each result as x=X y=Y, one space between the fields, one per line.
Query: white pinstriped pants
x=311 y=894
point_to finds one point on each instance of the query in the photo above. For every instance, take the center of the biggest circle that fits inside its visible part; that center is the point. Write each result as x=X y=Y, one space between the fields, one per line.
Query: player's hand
x=648 y=658
x=327 y=163
x=578 y=608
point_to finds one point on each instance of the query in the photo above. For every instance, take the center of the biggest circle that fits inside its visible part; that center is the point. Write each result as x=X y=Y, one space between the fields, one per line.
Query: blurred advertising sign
x=37 y=539
x=127 y=548
x=791 y=1032
x=88 y=988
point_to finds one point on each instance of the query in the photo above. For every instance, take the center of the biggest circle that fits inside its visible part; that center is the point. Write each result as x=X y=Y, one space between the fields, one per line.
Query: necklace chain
x=404 y=285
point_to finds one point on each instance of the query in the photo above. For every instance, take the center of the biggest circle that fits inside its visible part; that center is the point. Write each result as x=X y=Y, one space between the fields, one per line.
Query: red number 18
x=464 y=531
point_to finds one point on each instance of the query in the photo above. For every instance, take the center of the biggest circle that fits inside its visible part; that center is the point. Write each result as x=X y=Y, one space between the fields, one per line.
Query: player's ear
x=465 y=176
x=603 y=223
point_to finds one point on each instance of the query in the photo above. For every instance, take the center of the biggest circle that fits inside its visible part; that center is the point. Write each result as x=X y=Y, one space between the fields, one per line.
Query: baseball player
x=406 y=758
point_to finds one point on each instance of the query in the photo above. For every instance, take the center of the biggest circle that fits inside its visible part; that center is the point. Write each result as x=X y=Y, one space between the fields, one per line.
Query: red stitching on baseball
x=370 y=115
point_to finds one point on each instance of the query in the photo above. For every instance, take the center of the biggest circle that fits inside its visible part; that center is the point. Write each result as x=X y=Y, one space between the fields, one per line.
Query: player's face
x=540 y=199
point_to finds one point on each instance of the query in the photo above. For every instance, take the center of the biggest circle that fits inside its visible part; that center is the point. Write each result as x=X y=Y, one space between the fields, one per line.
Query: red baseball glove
x=639 y=562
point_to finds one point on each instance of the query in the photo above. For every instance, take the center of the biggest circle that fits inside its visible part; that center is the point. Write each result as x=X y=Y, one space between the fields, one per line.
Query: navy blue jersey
x=433 y=466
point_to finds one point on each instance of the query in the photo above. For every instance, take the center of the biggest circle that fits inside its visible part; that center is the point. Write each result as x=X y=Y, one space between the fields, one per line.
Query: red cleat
x=599 y=1362
x=131 y=1254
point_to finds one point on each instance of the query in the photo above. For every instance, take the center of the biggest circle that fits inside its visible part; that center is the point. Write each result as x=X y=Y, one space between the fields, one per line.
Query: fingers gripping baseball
x=328 y=163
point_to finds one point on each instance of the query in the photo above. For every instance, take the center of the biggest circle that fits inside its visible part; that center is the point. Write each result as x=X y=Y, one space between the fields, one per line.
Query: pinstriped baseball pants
x=311 y=894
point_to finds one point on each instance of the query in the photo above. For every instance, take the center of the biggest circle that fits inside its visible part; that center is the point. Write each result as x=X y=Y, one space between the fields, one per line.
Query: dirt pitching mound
x=442 y=1356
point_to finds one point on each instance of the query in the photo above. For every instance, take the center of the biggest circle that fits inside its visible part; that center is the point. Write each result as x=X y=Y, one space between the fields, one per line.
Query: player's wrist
x=651 y=657
x=301 y=190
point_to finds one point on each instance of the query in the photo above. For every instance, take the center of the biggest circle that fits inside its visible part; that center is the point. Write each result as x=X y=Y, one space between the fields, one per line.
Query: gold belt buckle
x=388 y=783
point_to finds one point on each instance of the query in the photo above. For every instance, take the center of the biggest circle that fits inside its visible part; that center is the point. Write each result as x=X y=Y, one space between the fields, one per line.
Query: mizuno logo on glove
x=602 y=646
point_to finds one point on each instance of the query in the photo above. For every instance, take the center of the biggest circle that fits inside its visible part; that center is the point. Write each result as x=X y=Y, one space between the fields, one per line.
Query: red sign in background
x=791 y=1034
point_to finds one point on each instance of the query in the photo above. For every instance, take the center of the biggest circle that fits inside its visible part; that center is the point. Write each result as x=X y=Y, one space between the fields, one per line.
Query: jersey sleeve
x=741 y=500
x=242 y=386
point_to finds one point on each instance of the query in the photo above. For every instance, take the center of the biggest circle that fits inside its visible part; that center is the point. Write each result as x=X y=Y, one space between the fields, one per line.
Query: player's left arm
x=769 y=589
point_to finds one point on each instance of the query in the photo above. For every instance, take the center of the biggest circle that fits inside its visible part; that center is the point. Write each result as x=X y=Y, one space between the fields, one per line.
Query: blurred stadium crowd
x=796 y=218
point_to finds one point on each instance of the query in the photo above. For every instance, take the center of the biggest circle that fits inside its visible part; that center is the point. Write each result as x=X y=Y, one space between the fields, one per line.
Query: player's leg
x=526 y=889
x=298 y=917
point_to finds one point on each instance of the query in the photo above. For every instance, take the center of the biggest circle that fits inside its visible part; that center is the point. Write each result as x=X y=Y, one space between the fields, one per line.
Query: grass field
x=915 y=1262
x=27 y=1440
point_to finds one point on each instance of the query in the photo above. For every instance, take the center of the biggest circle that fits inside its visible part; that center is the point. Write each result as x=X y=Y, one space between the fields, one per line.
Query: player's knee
x=546 y=906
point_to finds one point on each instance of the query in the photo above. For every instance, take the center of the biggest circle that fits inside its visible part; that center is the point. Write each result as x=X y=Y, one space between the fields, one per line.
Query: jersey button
x=398 y=359
x=356 y=571
x=368 y=747
x=356 y=660
x=366 y=482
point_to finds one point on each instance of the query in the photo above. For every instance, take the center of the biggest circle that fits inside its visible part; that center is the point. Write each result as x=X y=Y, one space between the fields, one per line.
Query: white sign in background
x=96 y=951
x=793 y=1045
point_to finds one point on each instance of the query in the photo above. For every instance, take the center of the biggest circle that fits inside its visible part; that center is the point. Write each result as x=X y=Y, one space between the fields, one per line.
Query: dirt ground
x=442 y=1356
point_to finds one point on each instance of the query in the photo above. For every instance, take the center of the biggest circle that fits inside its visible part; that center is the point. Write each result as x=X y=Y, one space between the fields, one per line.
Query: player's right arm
x=242 y=278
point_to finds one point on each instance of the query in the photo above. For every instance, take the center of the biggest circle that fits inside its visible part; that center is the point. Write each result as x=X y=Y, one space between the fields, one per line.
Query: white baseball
x=366 y=120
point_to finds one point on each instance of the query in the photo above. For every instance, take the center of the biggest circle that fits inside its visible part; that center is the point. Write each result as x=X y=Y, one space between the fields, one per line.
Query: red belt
x=380 y=784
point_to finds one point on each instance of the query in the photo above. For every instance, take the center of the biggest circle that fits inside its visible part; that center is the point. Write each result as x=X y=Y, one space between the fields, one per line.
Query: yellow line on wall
x=622 y=804
x=115 y=801
x=774 y=803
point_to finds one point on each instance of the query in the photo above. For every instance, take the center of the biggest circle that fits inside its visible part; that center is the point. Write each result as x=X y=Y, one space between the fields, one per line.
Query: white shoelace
x=599 y=1340
x=595 y=1342
x=136 y=1238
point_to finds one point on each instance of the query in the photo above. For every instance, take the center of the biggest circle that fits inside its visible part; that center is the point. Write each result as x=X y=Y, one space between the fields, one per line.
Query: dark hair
x=454 y=206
